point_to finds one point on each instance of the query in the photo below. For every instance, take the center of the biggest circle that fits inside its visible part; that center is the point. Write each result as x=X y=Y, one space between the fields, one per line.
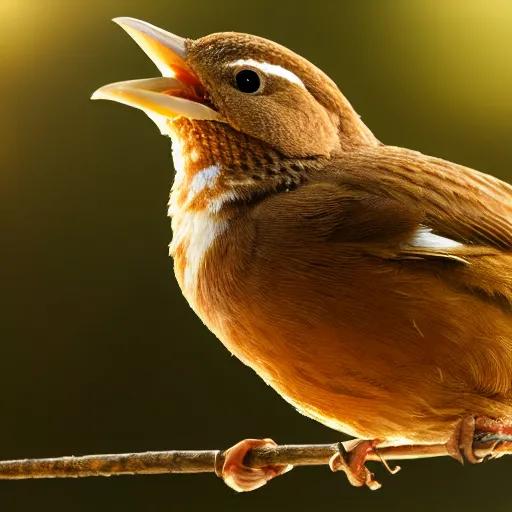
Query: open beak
x=177 y=93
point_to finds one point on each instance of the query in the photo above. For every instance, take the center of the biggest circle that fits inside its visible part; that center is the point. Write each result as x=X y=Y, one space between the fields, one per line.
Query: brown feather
x=300 y=248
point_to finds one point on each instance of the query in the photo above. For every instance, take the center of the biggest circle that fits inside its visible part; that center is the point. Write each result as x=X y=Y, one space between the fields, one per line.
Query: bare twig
x=205 y=461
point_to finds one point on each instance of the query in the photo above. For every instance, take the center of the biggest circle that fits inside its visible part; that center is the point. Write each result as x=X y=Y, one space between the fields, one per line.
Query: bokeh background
x=99 y=352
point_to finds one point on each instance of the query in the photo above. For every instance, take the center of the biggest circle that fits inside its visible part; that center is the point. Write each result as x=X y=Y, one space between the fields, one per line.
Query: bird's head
x=239 y=101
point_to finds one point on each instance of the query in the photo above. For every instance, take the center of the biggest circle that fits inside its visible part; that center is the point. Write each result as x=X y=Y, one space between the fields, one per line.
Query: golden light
x=460 y=51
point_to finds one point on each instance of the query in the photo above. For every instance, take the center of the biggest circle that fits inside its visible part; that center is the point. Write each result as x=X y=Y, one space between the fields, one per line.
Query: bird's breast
x=199 y=192
x=194 y=234
x=218 y=170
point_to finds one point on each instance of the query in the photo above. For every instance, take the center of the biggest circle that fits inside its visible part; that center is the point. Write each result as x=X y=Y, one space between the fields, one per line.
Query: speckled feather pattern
x=245 y=171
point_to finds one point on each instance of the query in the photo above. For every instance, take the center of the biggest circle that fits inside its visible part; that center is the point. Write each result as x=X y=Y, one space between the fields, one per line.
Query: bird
x=369 y=285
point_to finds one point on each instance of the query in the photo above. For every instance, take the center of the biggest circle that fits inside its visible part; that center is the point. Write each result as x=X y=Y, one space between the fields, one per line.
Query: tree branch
x=205 y=461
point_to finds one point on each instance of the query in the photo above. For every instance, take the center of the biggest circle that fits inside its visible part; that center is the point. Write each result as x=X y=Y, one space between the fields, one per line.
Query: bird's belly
x=319 y=377
x=390 y=361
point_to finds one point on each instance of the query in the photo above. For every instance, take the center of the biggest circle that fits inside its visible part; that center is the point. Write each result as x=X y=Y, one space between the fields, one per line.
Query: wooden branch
x=206 y=461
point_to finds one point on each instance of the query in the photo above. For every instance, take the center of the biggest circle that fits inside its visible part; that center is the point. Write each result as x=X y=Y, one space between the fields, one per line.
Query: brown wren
x=369 y=285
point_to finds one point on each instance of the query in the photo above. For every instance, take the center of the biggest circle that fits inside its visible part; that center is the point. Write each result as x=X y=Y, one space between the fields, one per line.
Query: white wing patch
x=270 y=69
x=428 y=240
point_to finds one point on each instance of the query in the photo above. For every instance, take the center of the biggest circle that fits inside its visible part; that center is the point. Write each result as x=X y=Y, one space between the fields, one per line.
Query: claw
x=243 y=478
x=473 y=430
x=353 y=464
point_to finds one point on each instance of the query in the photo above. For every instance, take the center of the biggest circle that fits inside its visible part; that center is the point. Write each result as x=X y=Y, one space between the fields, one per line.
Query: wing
x=416 y=210
x=456 y=202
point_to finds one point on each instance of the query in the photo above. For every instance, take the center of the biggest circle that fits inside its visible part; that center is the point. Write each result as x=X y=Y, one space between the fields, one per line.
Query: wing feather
x=457 y=202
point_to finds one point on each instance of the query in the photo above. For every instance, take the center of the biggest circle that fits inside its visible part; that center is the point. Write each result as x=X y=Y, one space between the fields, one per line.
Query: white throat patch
x=203 y=179
x=198 y=231
x=194 y=230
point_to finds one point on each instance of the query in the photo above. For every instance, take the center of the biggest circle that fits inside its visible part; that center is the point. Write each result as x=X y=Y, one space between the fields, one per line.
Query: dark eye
x=247 y=81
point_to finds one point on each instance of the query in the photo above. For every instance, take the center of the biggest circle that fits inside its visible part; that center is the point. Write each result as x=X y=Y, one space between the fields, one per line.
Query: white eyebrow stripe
x=271 y=69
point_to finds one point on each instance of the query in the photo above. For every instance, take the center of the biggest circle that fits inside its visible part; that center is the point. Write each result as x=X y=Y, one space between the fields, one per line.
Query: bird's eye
x=248 y=81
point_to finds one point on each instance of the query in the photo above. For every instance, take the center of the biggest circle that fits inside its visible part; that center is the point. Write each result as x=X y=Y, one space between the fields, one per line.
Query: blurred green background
x=99 y=351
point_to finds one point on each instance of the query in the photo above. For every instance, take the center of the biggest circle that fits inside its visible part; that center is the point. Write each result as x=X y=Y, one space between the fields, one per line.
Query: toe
x=243 y=478
x=467 y=437
x=472 y=432
x=353 y=464
x=460 y=444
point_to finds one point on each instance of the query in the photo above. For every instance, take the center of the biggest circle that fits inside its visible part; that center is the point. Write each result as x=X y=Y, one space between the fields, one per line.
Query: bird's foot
x=243 y=478
x=353 y=463
x=474 y=430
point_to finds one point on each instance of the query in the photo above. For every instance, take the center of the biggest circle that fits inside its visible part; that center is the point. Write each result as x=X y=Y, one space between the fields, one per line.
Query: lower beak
x=178 y=93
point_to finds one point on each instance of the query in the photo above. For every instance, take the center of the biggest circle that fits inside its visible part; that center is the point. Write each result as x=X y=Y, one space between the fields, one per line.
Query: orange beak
x=177 y=93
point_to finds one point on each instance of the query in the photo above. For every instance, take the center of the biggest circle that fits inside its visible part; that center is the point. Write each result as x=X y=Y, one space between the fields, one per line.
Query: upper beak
x=177 y=93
